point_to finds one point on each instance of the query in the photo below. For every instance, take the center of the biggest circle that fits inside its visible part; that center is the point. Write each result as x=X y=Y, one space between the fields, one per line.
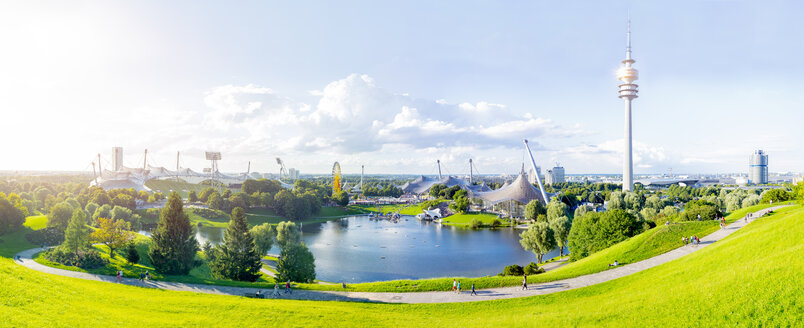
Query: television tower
x=628 y=91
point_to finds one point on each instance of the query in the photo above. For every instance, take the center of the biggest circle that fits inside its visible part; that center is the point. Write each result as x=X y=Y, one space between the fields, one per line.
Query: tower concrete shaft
x=628 y=92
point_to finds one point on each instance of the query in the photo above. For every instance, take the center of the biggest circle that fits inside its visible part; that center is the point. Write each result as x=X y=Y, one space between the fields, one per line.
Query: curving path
x=25 y=259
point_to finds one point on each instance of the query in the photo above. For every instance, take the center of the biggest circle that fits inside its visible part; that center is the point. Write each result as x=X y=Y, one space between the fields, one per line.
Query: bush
x=475 y=223
x=495 y=223
x=533 y=268
x=85 y=259
x=513 y=270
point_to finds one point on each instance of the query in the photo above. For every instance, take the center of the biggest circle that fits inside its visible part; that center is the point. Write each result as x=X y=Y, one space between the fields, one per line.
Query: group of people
x=145 y=275
x=456 y=287
x=694 y=240
x=288 y=290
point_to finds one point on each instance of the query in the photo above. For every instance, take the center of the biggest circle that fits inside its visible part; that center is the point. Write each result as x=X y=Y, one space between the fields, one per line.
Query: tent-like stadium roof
x=519 y=190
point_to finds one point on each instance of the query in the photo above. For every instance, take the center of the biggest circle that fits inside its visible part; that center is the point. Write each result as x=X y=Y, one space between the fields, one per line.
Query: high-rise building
x=555 y=175
x=293 y=173
x=117 y=158
x=628 y=92
x=758 y=167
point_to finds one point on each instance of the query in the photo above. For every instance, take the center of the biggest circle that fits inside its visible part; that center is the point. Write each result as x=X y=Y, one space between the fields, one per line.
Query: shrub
x=533 y=268
x=475 y=223
x=513 y=270
x=496 y=223
x=85 y=259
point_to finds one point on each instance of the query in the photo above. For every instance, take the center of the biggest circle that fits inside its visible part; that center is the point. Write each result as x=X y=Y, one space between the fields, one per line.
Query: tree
x=174 y=244
x=204 y=195
x=124 y=200
x=435 y=190
x=615 y=201
x=342 y=198
x=775 y=195
x=556 y=208
x=533 y=209
x=287 y=233
x=296 y=263
x=105 y=211
x=239 y=200
x=561 y=228
x=59 y=216
x=215 y=201
x=132 y=256
x=192 y=197
x=654 y=202
x=77 y=235
x=582 y=210
x=237 y=257
x=264 y=235
x=538 y=239
x=11 y=217
x=112 y=233
x=460 y=204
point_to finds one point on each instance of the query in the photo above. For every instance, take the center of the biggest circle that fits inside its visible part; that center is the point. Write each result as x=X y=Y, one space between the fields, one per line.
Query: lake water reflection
x=358 y=249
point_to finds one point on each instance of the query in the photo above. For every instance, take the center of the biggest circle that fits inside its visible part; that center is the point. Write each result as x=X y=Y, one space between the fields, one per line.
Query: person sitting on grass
x=614 y=264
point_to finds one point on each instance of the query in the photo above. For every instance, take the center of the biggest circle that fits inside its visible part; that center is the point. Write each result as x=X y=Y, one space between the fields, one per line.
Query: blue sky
x=397 y=85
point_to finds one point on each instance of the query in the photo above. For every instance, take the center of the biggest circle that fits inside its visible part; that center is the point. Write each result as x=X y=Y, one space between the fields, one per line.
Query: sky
x=397 y=85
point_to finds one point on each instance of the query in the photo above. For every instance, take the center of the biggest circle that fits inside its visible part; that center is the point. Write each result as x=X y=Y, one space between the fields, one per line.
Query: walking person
x=276 y=289
x=454 y=285
x=473 y=290
x=147 y=275
x=142 y=276
x=525 y=282
x=459 y=287
x=287 y=288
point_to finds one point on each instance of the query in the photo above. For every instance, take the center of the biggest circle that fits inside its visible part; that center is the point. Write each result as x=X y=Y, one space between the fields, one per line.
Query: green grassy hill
x=755 y=277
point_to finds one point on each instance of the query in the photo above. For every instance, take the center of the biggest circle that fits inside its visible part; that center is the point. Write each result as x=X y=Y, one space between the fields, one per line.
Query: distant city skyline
x=396 y=86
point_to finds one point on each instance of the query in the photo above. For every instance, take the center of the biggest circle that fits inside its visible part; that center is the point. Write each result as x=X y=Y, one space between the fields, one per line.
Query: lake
x=358 y=249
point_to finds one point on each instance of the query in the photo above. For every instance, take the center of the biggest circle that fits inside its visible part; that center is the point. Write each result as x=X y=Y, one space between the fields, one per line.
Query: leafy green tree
x=192 y=197
x=296 y=263
x=582 y=210
x=112 y=233
x=539 y=239
x=59 y=216
x=239 y=200
x=105 y=211
x=669 y=211
x=215 y=201
x=237 y=258
x=204 y=195
x=460 y=204
x=435 y=190
x=125 y=201
x=132 y=256
x=776 y=196
x=615 y=201
x=751 y=200
x=654 y=202
x=11 y=218
x=556 y=208
x=174 y=244
x=561 y=228
x=264 y=235
x=287 y=233
x=633 y=201
x=77 y=234
x=533 y=209
x=342 y=198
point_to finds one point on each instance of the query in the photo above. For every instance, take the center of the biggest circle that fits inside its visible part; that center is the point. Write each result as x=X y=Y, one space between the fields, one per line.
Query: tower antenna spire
x=628 y=38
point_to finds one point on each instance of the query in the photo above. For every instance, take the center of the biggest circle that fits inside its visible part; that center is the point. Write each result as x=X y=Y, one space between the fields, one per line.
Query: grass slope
x=753 y=278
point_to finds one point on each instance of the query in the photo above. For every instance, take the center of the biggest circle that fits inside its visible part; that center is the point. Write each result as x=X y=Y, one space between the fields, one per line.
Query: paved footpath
x=25 y=259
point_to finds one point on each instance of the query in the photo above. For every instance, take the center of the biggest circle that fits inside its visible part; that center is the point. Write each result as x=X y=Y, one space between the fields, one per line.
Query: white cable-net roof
x=519 y=190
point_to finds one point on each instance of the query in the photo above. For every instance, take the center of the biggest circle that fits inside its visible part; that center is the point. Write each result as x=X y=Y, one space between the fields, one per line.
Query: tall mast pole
x=535 y=171
x=99 y=166
x=145 y=160
x=439 y=168
x=470 y=171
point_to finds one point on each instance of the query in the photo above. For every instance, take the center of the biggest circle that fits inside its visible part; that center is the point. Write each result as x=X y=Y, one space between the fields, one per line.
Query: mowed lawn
x=755 y=277
x=465 y=219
